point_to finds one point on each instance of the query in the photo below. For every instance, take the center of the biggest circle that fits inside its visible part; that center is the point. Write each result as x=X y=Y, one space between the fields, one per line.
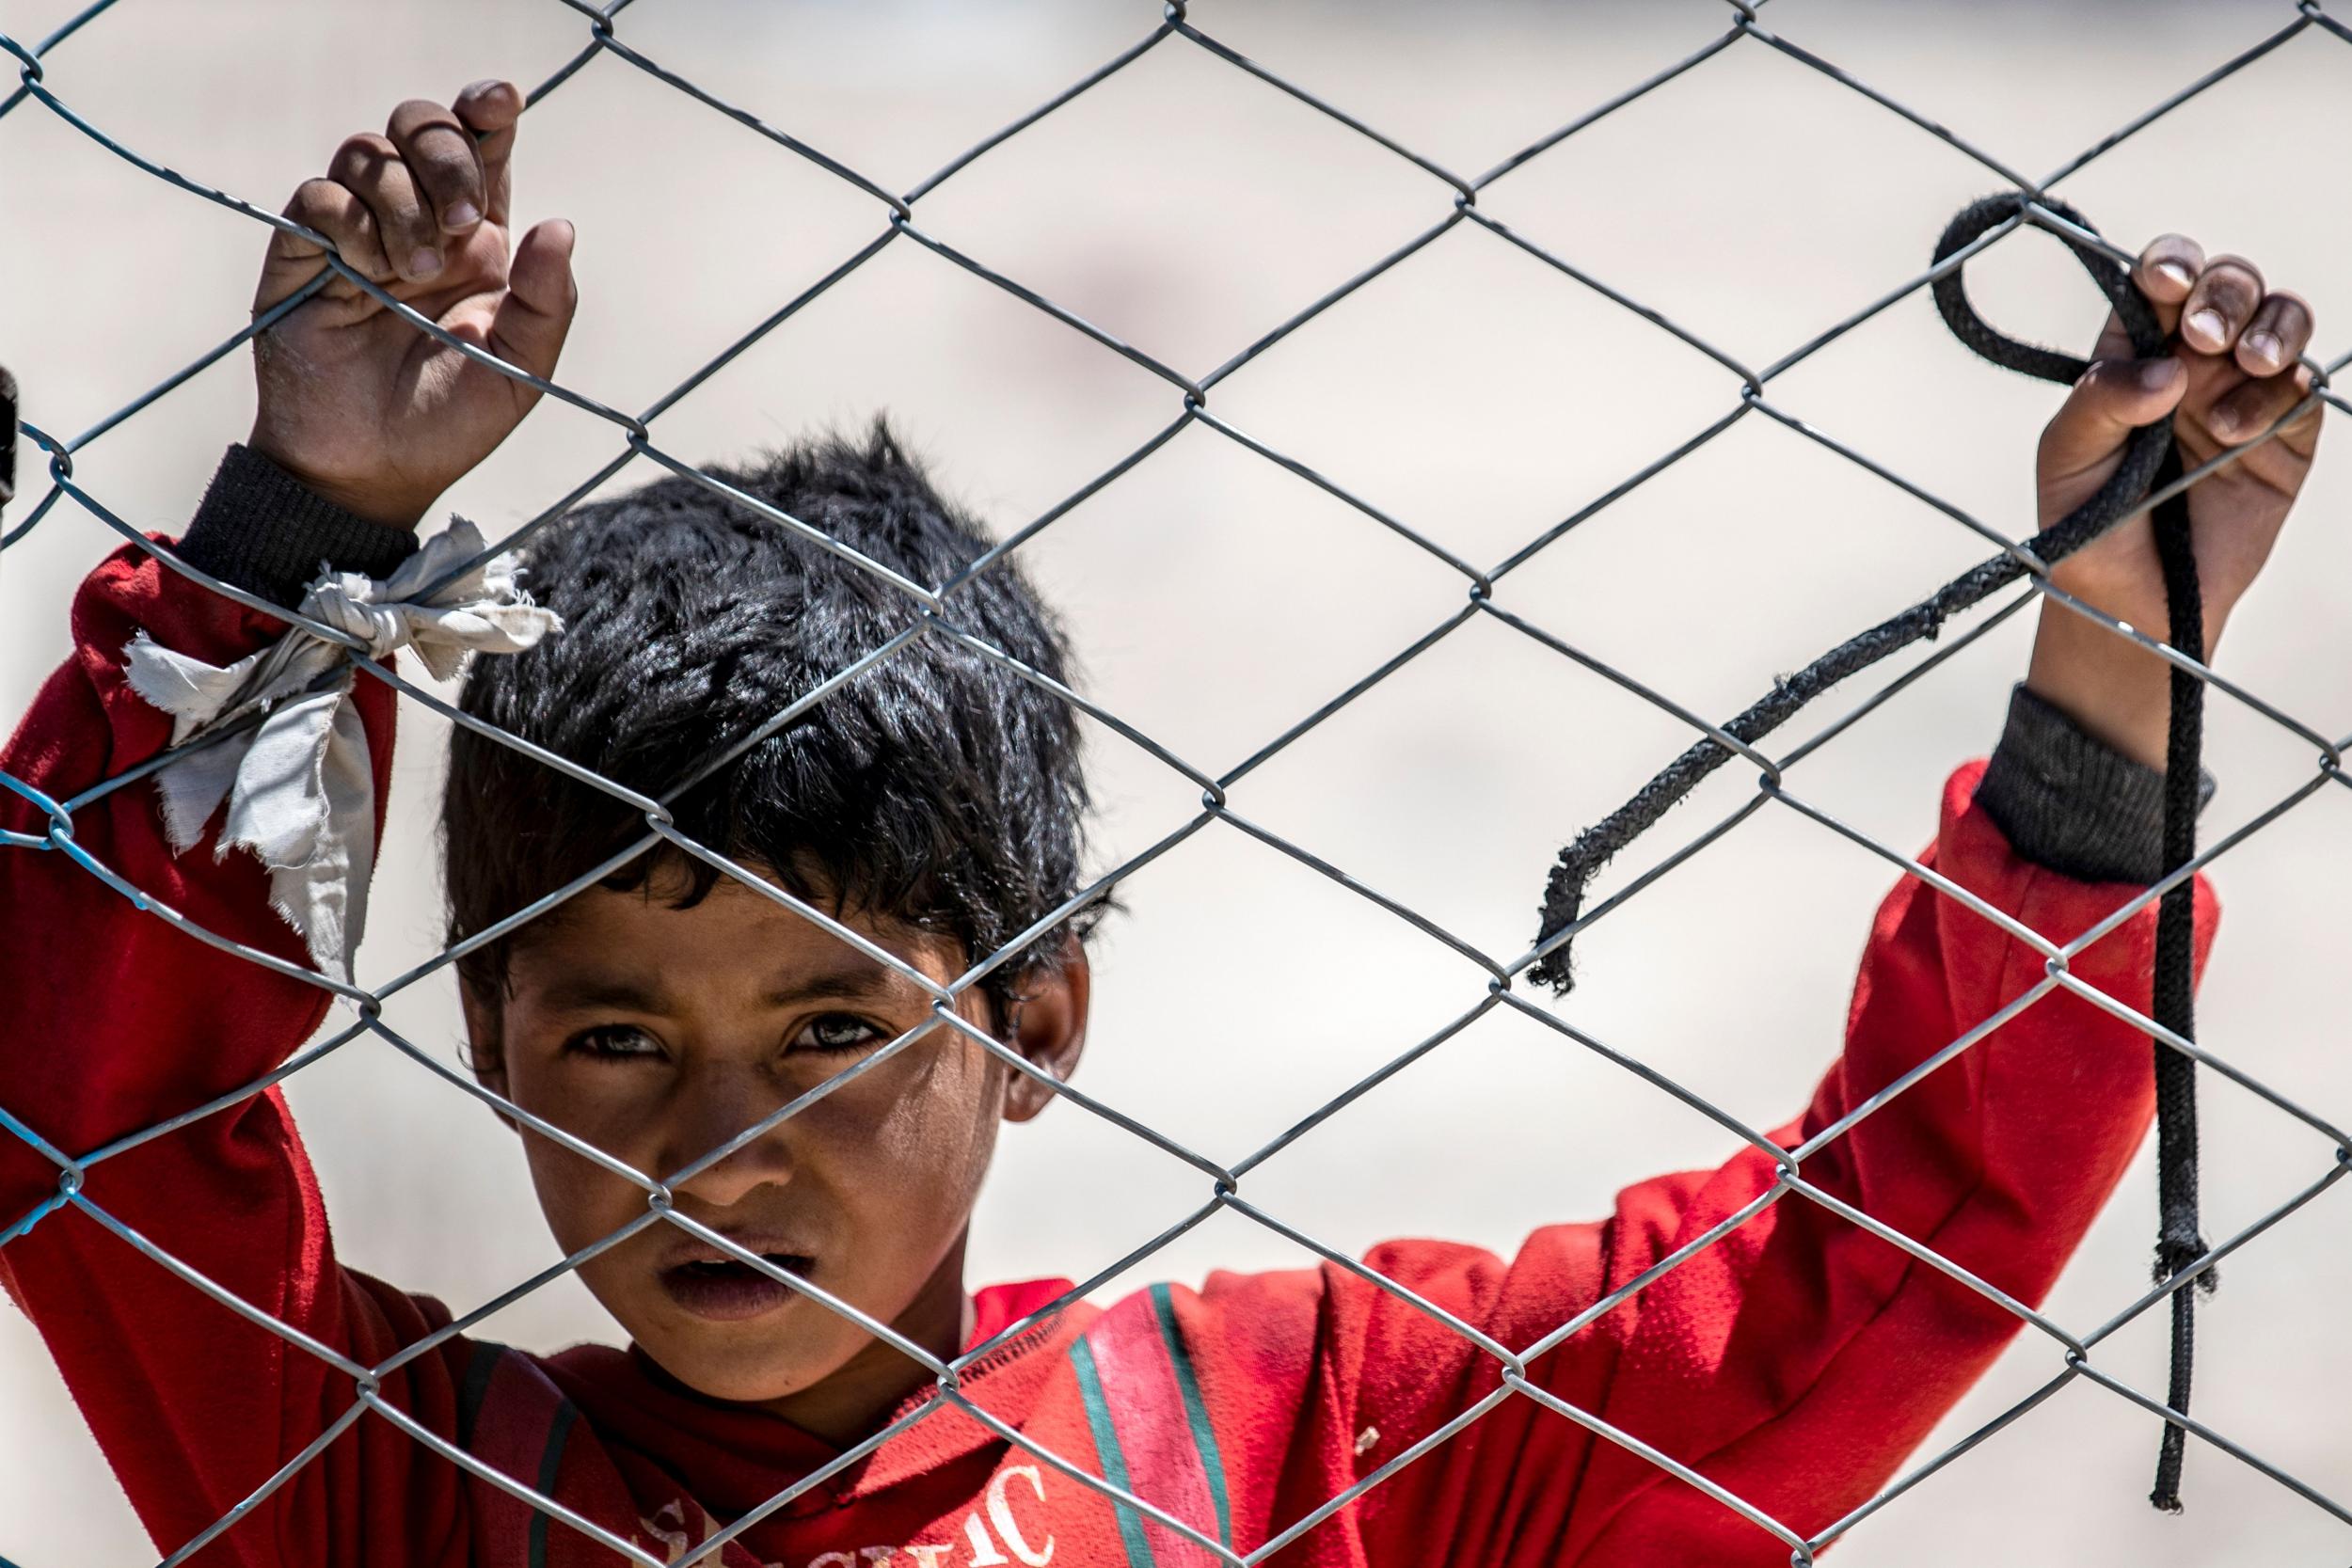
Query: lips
x=712 y=1284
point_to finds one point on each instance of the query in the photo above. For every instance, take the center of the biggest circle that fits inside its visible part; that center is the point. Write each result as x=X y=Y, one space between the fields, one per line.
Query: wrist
x=2068 y=803
x=373 y=500
x=2118 y=692
x=261 y=530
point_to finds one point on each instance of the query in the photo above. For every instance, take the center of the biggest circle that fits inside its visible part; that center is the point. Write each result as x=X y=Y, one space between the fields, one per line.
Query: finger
x=541 y=295
x=333 y=211
x=439 y=153
x=2255 y=407
x=2280 y=330
x=2301 y=436
x=2166 y=272
x=371 y=169
x=2114 y=397
x=489 y=110
x=2218 y=308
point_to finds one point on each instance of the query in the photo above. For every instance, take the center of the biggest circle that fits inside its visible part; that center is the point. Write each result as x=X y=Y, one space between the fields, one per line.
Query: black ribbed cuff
x=2070 y=802
x=265 y=531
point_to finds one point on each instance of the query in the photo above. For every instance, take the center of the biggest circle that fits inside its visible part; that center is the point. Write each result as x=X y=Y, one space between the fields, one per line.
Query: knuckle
x=354 y=238
x=2235 y=277
x=2288 y=306
x=447 y=167
x=412 y=113
x=314 y=201
x=359 y=157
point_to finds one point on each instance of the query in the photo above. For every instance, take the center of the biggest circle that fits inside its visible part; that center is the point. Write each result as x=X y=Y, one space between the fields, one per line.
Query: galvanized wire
x=1494 y=981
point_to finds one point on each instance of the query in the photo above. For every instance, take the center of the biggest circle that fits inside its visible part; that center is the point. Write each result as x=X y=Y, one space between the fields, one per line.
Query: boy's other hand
x=355 y=402
x=2229 y=374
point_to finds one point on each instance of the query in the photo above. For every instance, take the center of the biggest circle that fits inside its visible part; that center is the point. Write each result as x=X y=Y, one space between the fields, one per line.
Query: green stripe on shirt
x=1196 y=1411
x=1107 y=1448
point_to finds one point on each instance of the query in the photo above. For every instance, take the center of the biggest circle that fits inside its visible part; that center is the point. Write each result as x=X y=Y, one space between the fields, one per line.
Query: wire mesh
x=1454 y=202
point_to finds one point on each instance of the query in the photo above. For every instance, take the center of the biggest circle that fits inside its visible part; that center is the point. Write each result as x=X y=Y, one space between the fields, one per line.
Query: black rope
x=2178 y=1240
x=2151 y=460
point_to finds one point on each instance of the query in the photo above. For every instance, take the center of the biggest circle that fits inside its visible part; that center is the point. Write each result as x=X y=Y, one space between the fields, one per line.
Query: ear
x=485 y=1046
x=1049 y=1030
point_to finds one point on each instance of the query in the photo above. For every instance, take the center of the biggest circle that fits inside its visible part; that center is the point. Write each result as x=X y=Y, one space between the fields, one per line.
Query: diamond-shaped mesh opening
x=1414 y=483
x=1756 y=253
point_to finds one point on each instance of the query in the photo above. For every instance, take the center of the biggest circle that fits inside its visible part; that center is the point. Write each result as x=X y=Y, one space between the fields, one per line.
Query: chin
x=749 y=1384
x=737 y=1378
x=749 y=1363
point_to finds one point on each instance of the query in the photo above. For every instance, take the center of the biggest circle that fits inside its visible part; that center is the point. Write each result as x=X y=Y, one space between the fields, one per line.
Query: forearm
x=117 y=1022
x=1826 y=1351
x=140 y=1022
x=2040 y=1114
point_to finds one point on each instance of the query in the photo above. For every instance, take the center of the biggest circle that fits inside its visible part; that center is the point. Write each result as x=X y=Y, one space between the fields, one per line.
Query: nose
x=713 y=1108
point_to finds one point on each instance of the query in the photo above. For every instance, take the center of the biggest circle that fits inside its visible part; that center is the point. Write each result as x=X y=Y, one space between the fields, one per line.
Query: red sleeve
x=1798 y=1360
x=117 y=1022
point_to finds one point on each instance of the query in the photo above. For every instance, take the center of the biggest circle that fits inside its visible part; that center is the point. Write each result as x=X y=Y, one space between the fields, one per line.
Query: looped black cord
x=2150 y=459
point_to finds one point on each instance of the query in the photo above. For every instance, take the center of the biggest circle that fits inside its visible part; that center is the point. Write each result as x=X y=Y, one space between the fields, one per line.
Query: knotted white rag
x=301 y=789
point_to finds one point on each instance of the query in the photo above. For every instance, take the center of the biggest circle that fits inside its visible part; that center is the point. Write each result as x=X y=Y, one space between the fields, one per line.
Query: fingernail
x=424 y=263
x=2206 y=323
x=2265 y=346
x=2156 y=374
x=2176 y=272
x=463 y=215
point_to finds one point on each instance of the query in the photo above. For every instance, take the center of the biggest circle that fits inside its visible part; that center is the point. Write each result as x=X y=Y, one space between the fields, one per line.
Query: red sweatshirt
x=1795 y=1362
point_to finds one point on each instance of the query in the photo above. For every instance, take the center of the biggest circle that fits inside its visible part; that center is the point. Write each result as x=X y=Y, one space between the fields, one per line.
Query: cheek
x=582 y=1200
x=919 y=1130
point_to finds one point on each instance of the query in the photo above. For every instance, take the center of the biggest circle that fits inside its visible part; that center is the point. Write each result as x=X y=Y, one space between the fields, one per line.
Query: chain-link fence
x=2066 y=1350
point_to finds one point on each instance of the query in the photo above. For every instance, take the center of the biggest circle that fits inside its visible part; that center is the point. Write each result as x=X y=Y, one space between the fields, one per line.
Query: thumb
x=2114 y=397
x=532 y=319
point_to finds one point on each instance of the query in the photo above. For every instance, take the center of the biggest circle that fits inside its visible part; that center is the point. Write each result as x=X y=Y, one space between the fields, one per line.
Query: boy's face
x=657 y=1034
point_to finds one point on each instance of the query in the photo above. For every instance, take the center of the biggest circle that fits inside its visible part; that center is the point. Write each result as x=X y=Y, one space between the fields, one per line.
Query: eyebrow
x=853 y=979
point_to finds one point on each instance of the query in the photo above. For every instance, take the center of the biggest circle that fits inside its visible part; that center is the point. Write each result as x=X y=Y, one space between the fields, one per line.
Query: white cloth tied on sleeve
x=299 y=786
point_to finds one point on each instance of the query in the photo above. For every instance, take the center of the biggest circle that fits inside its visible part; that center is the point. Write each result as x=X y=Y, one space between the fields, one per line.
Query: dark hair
x=937 y=787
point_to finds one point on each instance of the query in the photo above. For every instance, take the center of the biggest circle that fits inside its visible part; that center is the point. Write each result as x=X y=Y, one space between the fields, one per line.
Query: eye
x=613 y=1042
x=837 y=1032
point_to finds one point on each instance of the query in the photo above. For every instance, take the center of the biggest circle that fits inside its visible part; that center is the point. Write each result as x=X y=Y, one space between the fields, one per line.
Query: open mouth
x=726 y=1290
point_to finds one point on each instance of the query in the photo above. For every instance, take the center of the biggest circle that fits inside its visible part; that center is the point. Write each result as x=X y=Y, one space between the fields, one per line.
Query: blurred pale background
x=1473 y=393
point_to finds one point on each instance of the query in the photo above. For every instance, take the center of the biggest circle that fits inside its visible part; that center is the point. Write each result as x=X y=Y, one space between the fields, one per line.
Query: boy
x=932 y=806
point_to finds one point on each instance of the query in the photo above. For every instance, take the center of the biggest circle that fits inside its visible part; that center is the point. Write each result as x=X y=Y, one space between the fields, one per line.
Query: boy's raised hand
x=2230 y=373
x=355 y=402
